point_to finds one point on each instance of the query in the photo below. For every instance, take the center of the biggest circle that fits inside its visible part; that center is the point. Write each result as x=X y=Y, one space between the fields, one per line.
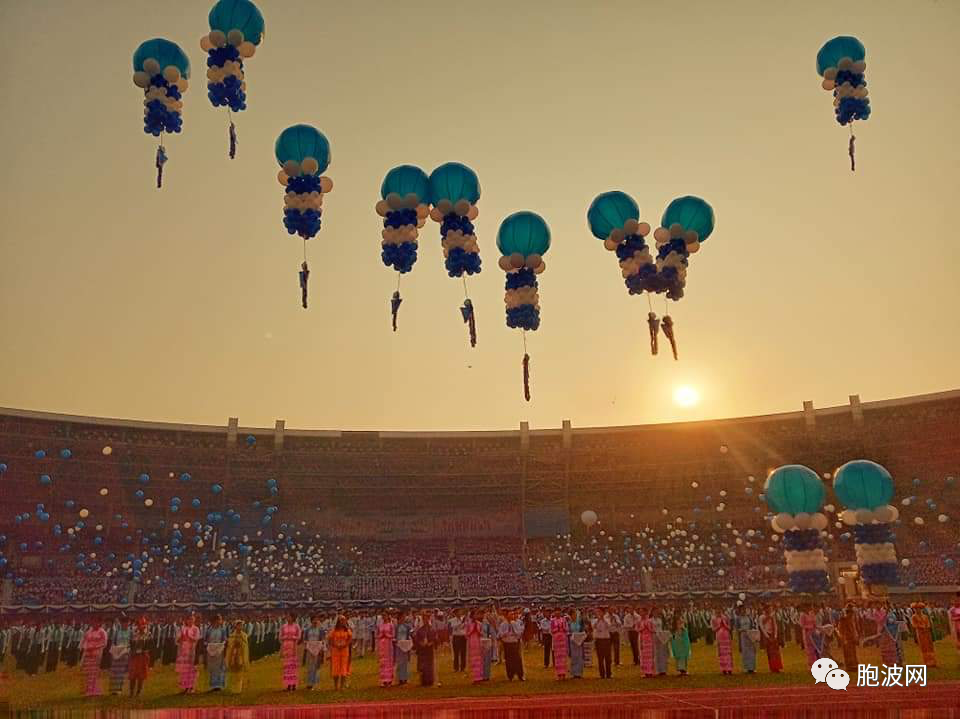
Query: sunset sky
x=182 y=304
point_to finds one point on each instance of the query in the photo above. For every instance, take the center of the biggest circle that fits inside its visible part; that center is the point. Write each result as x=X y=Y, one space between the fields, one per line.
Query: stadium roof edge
x=485 y=434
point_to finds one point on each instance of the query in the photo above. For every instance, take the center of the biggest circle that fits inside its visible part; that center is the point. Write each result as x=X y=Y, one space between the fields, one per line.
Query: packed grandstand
x=96 y=511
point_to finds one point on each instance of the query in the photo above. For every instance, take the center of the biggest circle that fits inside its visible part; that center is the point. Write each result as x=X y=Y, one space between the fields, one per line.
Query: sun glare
x=686 y=396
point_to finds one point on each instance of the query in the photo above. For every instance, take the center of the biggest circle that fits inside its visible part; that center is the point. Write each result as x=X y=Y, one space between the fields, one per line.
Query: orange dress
x=339 y=641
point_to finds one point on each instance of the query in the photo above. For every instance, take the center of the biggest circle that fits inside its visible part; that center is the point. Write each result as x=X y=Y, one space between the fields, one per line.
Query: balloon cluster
x=455 y=190
x=687 y=222
x=866 y=489
x=162 y=70
x=795 y=493
x=841 y=63
x=404 y=206
x=523 y=239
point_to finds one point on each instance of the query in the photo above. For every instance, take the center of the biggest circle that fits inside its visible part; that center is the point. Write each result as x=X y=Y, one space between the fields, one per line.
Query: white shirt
x=458 y=627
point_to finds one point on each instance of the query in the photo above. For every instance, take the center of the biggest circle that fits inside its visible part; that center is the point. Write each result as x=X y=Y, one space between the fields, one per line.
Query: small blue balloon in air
x=3 y=468
x=40 y=454
x=195 y=503
x=65 y=454
x=139 y=494
x=216 y=489
x=185 y=477
x=45 y=480
x=144 y=478
x=251 y=440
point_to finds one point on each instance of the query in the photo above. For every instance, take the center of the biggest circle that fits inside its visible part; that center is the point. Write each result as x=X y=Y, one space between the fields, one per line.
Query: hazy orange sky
x=182 y=304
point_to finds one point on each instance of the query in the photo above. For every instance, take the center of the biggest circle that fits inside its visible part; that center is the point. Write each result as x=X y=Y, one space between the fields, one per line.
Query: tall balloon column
x=841 y=63
x=523 y=239
x=162 y=70
x=455 y=190
x=614 y=218
x=303 y=153
x=404 y=207
x=796 y=494
x=866 y=489
x=687 y=222
x=236 y=28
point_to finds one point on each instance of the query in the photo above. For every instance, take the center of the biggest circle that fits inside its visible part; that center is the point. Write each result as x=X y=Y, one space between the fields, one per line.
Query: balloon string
x=851 y=150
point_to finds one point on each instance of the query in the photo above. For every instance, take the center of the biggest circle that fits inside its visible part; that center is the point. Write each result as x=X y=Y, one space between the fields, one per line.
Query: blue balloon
x=185 y=477
x=609 y=211
x=65 y=454
x=299 y=142
x=793 y=489
x=251 y=440
x=45 y=480
x=240 y=15
x=3 y=468
x=840 y=47
x=144 y=478
x=139 y=494
x=453 y=182
x=407 y=180
x=39 y=454
x=216 y=489
x=691 y=213
x=166 y=53
x=862 y=484
x=195 y=503
x=525 y=233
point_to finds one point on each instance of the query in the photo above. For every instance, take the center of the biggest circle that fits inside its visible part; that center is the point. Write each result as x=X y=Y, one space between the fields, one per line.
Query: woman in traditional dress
x=339 y=641
x=187 y=655
x=313 y=653
x=216 y=643
x=558 y=633
x=290 y=634
x=645 y=637
x=403 y=649
x=920 y=622
x=747 y=637
x=770 y=636
x=661 y=646
x=721 y=629
x=386 y=634
x=954 y=618
x=120 y=654
x=812 y=639
x=680 y=642
x=888 y=625
x=848 y=631
x=93 y=643
x=474 y=634
x=139 y=656
x=488 y=642
x=577 y=638
x=237 y=658
x=424 y=642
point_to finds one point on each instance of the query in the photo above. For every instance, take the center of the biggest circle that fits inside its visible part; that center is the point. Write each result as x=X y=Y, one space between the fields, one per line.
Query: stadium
x=448 y=517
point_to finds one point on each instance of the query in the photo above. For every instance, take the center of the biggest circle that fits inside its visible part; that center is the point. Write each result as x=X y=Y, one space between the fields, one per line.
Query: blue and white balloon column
x=865 y=488
x=455 y=190
x=404 y=207
x=841 y=63
x=303 y=153
x=614 y=218
x=686 y=224
x=796 y=494
x=523 y=239
x=162 y=70
x=236 y=29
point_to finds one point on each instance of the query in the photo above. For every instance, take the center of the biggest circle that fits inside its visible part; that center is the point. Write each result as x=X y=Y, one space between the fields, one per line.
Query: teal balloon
x=840 y=47
x=523 y=232
x=164 y=52
x=300 y=142
x=691 y=213
x=454 y=182
x=405 y=180
x=862 y=484
x=794 y=488
x=609 y=211
x=240 y=15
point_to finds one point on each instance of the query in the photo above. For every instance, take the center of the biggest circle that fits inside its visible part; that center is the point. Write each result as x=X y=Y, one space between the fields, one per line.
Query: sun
x=686 y=396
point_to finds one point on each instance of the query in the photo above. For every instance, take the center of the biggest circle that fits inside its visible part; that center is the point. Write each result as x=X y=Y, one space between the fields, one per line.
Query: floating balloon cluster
x=866 y=489
x=841 y=63
x=796 y=493
x=455 y=190
x=236 y=28
x=303 y=153
x=523 y=239
x=162 y=70
x=404 y=206
x=614 y=217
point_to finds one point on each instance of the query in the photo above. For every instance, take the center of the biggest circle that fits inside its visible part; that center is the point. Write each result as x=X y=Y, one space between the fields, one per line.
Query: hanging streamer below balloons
x=303 y=153
x=523 y=239
x=841 y=63
x=162 y=70
x=866 y=489
x=236 y=29
x=404 y=207
x=455 y=190
x=796 y=494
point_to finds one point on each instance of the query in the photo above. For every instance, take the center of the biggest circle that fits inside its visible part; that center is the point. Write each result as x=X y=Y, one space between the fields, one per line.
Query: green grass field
x=63 y=689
